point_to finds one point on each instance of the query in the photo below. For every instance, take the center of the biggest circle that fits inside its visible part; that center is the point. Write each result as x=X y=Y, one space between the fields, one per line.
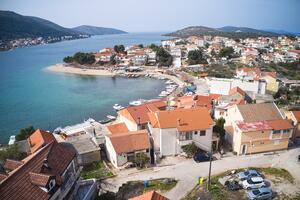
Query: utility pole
x=209 y=172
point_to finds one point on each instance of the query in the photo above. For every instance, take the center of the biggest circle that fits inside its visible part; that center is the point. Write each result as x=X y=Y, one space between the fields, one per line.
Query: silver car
x=259 y=194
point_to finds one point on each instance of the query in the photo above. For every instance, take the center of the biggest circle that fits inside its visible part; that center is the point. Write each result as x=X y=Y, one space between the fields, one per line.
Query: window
x=261 y=142
x=286 y=131
x=202 y=133
x=195 y=132
x=276 y=142
x=276 y=131
x=185 y=135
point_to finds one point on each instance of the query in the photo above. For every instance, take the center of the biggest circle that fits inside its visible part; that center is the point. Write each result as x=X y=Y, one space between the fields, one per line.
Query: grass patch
x=95 y=170
x=161 y=184
x=277 y=172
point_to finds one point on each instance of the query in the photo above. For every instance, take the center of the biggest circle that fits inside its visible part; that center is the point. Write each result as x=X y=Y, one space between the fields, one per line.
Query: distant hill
x=13 y=26
x=226 y=31
x=93 y=30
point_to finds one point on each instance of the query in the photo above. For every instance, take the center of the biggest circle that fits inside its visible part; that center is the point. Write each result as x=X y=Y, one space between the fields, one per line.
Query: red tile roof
x=130 y=141
x=280 y=124
x=237 y=90
x=12 y=164
x=39 y=179
x=38 y=139
x=150 y=196
x=297 y=115
x=18 y=185
x=117 y=128
x=138 y=114
x=182 y=119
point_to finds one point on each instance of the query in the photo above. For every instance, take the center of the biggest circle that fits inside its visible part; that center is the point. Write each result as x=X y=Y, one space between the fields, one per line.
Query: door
x=244 y=149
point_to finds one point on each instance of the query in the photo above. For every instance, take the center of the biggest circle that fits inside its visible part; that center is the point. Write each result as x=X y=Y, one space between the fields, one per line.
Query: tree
x=237 y=40
x=190 y=149
x=11 y=152
x=119 y=48
x=163 y=57
x=141 y=159
x=226 y=52
x=68 y=59
x=219 y=129
x=154 y=47
x=141 y=45
x=84 y=58
x=25 y=133
x=112 y=60
x=196 y=57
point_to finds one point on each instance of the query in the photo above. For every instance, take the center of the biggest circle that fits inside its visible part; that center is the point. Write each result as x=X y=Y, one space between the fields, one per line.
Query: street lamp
x=209 y=172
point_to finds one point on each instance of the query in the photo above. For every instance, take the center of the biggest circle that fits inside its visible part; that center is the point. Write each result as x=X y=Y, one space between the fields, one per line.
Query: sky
x=163 y=15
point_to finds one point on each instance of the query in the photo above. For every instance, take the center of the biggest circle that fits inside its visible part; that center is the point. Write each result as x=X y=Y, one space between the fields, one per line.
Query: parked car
x=233 y=185
x=201 y=157
x=247 y=174
x=259 y=194
x=253 y=183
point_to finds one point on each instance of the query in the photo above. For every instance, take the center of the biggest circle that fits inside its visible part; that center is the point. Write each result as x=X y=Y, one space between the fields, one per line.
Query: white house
x=223 y=85
x=172 y=129
x=123 y=147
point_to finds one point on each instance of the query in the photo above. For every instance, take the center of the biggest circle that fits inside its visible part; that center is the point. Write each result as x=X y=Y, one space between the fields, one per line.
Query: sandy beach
x=60 y=68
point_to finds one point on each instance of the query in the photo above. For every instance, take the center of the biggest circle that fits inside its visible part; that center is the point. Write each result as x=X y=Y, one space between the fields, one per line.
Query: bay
x=29 y=95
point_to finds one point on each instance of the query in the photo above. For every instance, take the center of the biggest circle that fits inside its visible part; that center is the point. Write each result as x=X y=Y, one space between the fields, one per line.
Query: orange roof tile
x=117 y=128
x=130 y=141
x=297 y=115
x=280 y=124
x=138 y=114
x=182 y=119
x=152 y=195
x=237 y=90
x=39 y=138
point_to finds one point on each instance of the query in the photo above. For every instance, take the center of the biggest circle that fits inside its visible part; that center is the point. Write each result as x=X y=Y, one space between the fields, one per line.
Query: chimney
x=45 y=163
x=178 y=122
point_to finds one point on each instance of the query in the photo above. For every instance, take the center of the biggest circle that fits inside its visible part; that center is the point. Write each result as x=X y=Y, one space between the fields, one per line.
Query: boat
x=12 y=140
x=105 y=121
x=163 y=94
x=111 y=117
x=118 y=107
x=169 y=82
x=137 y=102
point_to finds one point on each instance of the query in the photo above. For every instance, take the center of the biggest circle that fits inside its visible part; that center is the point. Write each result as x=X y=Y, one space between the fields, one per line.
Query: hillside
x=93 y=30
x=227 y=31
x=13 y=26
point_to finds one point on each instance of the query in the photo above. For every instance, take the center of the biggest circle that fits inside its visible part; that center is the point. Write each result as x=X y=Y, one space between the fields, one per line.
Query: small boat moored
x=118 y=107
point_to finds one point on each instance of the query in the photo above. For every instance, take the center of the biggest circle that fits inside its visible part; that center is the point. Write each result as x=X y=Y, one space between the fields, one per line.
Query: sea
x=32 y=96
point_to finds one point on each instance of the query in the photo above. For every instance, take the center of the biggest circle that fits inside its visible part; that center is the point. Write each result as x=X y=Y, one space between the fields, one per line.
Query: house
x=38 y=139
x=117 y=128
x=294 y=116
x=152 y=195
x=271 y=80
x=248 y=73
x=172 y=129
x=255 y=128
x=223 y=85
x=84 y=138
x=136 y=118
x=123 y=147
x=48 y=173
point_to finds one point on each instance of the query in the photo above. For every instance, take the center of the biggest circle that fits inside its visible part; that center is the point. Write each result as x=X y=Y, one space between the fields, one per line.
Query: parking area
x=258 y=183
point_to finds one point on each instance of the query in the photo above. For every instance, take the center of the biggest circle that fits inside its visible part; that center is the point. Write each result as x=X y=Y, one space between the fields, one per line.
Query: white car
x=254 y=183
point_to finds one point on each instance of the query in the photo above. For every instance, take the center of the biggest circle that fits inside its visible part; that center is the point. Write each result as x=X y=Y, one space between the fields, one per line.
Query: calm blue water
x=31 y=96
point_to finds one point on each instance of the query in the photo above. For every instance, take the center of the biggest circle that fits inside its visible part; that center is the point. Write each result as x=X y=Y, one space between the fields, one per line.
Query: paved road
x=187 y=171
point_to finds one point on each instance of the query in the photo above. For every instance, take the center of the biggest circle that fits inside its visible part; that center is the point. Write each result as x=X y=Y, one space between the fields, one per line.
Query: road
x=187 y=171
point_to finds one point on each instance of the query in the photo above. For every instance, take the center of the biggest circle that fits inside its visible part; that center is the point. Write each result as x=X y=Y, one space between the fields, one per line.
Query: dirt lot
x=281 y=182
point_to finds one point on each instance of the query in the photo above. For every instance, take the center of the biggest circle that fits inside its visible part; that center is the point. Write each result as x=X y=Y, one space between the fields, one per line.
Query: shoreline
x=62 y=68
